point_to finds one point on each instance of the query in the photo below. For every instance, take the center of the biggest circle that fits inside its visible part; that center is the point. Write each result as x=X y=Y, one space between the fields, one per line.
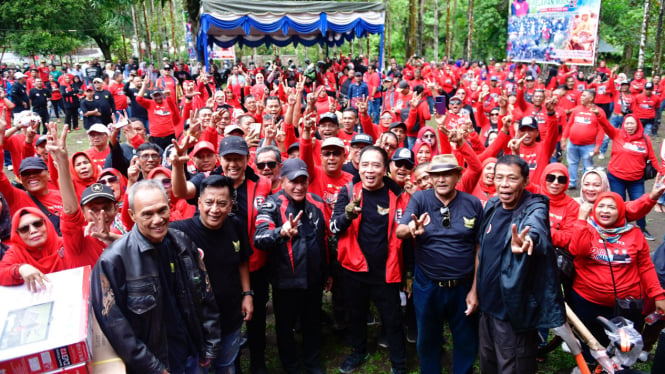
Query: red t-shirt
x=119 y=97
x=161 y=116
x=98 y=158
x=583 y=127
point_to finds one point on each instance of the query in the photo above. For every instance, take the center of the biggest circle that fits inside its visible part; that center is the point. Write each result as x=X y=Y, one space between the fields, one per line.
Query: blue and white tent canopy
x=281 y=23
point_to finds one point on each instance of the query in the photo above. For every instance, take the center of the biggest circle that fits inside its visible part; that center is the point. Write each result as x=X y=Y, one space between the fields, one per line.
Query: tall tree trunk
x=159 y=38
x=469 y=36
x=137 y=35
x=435 y=30
x=421 y=22
x=658 y=51
x=411 y=34
x=643 y=34
x=452 y=27
x=448 y=36
x=174 y=40
x=122 y=29
x=388 y=42
x=147 y=30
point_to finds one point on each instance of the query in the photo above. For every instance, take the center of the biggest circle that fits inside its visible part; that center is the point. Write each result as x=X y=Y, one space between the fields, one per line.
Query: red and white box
x=48 y=331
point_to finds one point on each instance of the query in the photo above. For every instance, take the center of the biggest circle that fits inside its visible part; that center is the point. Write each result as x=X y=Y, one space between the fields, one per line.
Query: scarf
x=46 y=259
x=613 y=233
x=559 y=199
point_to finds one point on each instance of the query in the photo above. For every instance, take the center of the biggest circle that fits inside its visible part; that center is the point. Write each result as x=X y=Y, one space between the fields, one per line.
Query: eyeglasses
x=166 y=182
x=150 y=156
x=404 y=164
x=445 y=214
x=269 y=164
x=109 y=180
x=336 y=153
x=561 y=179
x=26 y=228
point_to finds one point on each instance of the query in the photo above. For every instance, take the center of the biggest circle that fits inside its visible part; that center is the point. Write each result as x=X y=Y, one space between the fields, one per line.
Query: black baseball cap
x=41 y=140
x=233 y=144
x=403 y=154
x=329 y=116
x=32 y=163
x=528 y=122
x=362 y=139
x=648 y=86
x=293 y=168
x=293 y=147
x=97 y=190
x=397 y=124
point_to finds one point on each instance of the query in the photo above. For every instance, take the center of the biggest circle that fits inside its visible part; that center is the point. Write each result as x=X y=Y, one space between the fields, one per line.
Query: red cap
x=203 y=144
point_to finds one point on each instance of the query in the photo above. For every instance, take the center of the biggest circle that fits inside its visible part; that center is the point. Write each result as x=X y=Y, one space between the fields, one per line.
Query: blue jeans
x=573 y=154
x=647 y=123
x=375 y=109
x=226 y=356
x=434 y=305
x=635 y=190
x=411 y=141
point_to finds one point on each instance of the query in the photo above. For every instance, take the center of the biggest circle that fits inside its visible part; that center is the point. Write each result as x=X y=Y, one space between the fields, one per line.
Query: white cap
x=98 y=127
x=333 y=142
x=19 y=75
x=229 y=129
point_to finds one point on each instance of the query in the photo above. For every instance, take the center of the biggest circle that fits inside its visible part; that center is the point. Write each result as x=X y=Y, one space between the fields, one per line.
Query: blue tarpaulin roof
x=281 y=23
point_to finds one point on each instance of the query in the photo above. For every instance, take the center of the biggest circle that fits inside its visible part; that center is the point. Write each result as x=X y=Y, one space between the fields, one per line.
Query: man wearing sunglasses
x=269 y=164
x=444 y=223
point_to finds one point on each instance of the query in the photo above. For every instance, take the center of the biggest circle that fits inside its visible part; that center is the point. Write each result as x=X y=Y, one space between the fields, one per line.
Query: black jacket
x=128 y=301
x=530 y=286
x=292 y=263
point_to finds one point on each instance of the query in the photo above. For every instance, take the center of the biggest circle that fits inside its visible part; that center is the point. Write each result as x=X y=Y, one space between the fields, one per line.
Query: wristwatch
x=248 y=293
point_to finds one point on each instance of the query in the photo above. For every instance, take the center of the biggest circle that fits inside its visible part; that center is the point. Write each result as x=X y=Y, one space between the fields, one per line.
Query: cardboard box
x=48 y=331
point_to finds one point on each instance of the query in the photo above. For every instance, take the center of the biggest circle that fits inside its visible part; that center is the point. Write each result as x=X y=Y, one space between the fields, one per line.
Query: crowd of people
x=433 y=190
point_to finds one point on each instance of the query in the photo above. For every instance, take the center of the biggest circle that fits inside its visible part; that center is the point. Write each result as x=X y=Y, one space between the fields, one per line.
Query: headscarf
x=613 y=233
x=121 y=178
x=46 y=259
x=420 y=144
x=560 y=199
x=434 y=147
x=5 y=226
x=491 y=189
x=180 y=209
x=639 y=131
x=605 y=184
x=75 y=176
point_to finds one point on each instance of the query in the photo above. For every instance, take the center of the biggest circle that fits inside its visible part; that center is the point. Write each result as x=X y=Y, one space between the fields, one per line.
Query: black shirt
x=223 y=251
x=39 y=97
x=349 y=168
x=491 y=250
x=179 y=341
x=446 y=252
x=87 y=106
x=372 y=235
x=106 y=105
x=137 y=110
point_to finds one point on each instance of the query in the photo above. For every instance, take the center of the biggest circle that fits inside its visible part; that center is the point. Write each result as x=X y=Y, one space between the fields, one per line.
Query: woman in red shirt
x=485 y=189
x=612 y=261
x=36 y=249
x=563 y=208
x=630 y=151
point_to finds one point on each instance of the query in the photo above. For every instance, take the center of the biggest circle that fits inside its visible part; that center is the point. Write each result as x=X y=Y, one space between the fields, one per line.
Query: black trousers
x=163 y=141
x=71 y=117
x=386 y=298
x=256 y=328
x=57 y=106
x=43 y=114
x=504 y=351
x=291 y=305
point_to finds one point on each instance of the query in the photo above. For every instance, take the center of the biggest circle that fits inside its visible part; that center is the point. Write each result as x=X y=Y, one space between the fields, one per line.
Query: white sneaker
x=10 y=167
x=601 y=156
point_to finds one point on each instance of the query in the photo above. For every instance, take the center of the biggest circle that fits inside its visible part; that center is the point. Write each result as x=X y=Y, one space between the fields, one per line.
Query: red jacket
x=418 y=118
x=349 y=254
x=644 y=106
x=629 y=152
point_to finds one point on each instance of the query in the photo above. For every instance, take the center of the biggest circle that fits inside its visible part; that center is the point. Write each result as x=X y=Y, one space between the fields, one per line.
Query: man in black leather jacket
x=292 y=228
x=517 y=278
x=151 y=294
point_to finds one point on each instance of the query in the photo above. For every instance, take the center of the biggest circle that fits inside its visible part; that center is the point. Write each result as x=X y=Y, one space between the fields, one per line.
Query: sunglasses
x=26 y=228
x=429 y=135
x=109 y=180
x=561 y=179
x=269 y=164
x=494 y=114
x=445 y=214
x=336 y=153
x=166 y=182
x=404 y=164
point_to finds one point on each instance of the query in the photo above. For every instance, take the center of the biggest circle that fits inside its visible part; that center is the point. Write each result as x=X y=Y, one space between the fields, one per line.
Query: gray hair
x=268 y=148
x=145 y=184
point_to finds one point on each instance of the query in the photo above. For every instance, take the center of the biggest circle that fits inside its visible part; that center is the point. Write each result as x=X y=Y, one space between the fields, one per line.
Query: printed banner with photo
x=553 y=30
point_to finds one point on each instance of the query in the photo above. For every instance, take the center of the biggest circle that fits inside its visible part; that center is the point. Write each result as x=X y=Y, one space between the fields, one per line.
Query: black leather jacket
x=530 y=286
x=290 y=261
x=128 y=301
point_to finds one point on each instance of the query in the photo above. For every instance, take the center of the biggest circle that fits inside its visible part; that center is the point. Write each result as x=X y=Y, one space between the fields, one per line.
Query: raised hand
x=415 y=100
x=353 y=208
x=585 y=210
x=507 y=120
x=514 y=144
x=57 y=145
x=180 y=155
x=521 y=242
x=133 y=171
x=363 y=105
x=417 y=225
x=290 y=227
x=550 y=104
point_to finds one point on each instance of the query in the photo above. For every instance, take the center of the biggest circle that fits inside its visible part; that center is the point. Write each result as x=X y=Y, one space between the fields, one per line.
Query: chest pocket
x=141 y=296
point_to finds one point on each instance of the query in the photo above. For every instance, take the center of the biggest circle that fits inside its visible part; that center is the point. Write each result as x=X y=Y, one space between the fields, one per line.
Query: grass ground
x=334 y=349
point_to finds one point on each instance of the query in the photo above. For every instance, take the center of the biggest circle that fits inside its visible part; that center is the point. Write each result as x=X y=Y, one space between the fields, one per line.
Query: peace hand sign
x=290 y=227
x=353 y=208
x=514 y=144
x=417 y=225
x=521 y=242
